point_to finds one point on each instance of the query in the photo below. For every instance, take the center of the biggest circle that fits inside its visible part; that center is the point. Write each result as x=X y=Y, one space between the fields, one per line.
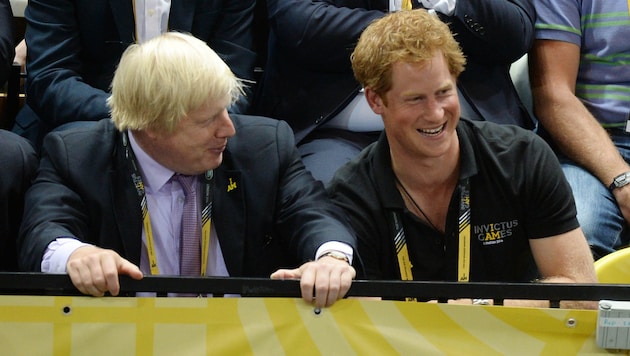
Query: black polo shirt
x=517 y=192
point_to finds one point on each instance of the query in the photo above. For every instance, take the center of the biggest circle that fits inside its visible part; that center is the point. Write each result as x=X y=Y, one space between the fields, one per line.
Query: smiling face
x=197 y=142
x=421 y=110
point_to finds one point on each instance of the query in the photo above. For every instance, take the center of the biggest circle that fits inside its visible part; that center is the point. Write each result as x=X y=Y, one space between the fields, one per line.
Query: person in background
x=7 y=50
x=20 y=55
x=580 y=80
x=114 y=198
x=444 y=198
x=308 y=78
x=74 y=47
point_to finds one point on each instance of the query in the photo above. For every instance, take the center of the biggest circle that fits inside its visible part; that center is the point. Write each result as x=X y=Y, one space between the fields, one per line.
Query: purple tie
x=190 y=259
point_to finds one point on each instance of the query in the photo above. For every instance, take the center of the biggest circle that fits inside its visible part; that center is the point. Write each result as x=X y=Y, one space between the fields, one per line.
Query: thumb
x=128 y=268
x=286 y=274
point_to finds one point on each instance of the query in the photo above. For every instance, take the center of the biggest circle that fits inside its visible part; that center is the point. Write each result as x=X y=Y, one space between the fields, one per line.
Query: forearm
x=316 y=32
x=565 y=304
x=580 y=136
x=57 y=90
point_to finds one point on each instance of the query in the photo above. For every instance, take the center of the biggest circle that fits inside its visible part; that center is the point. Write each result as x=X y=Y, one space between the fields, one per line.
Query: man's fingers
x=128 y=268
x=84 y=271
x=307 y=282
x=326 y=287
x=95 y=271
x=286 y=274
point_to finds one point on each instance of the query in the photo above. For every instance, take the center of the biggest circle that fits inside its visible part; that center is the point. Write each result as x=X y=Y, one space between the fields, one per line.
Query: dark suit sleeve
x=7 y=47
x=319 y=34
x=305 y=212
x=53 y=207
x=56 y=90
x=232 y=37
x=493 y=31
x=227 y=27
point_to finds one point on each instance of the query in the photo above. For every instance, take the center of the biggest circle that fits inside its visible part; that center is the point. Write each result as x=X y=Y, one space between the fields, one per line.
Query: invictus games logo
x=495 y=233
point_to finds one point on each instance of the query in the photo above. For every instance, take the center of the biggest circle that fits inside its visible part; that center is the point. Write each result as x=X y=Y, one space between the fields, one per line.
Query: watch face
x=622 y=180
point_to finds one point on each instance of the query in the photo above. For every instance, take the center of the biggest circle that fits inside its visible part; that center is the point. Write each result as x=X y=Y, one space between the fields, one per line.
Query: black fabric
x=19 y=163
x=274 y=215
x=518 y=192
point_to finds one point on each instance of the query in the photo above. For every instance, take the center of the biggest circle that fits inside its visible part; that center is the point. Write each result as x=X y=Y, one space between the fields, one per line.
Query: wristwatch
x=619 y=181
x=479 y=301
x=336 y=255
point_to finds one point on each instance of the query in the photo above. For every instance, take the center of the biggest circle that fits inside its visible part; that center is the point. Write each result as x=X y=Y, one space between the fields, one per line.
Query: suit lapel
x=126 y=203
x=181 y=15
x=229 y=217
x=124 y=18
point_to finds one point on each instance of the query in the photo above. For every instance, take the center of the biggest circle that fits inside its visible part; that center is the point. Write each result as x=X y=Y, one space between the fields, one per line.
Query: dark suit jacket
x=74 y=47
x=308 y=76
x=19 y=163
x=277 y=216
x=7 y=45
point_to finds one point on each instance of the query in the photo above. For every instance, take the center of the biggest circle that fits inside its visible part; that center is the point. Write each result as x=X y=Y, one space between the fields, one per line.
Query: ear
x=374 y=100
x=147 y=132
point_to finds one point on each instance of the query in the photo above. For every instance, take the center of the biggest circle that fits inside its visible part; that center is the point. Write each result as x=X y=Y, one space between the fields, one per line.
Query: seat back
x=614 y=268
x=519 y=71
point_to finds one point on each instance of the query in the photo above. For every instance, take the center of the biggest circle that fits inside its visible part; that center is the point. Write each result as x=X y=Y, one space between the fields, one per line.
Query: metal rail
x=18 y=283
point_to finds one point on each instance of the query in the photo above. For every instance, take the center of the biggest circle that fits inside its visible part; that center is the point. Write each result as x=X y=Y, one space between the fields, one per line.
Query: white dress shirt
x=165 y=202
x=151 y=18
x=446 y=7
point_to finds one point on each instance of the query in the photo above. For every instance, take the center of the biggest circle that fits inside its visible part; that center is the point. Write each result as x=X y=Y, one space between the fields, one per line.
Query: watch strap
x=336 y=255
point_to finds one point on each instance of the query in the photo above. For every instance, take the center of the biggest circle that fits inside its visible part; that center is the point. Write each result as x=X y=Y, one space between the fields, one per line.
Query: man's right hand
x=94 y=270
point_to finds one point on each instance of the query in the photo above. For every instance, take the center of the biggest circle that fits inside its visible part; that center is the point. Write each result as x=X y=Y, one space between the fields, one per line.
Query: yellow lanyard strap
x=206 y=215
x=463 y=255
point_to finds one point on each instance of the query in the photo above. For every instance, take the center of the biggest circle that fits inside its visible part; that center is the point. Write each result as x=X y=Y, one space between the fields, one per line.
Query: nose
x=226 y=127
x=434 y=109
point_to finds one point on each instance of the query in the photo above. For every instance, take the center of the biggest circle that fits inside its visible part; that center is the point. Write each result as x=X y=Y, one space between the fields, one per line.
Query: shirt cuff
x=446 y=7
x=334 y=246
x=57 y=253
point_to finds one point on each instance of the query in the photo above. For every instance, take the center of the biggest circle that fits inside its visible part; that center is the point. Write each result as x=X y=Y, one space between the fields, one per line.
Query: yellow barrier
x=45 y=325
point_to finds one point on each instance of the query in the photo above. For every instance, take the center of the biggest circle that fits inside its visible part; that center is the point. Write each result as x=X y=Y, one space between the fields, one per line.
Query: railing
x=275 y=323
x=14 y=283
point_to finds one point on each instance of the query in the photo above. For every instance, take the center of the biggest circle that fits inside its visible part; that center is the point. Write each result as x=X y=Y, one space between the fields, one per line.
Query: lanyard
x=463 y=254
x=206 y=212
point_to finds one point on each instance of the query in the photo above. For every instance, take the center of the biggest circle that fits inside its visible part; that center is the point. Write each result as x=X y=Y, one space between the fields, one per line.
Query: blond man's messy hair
x=405 y=36
x=159 y=81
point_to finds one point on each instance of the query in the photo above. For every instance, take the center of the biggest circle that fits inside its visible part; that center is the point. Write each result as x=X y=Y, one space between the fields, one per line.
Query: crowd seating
x=614 y=268
x=12 y=95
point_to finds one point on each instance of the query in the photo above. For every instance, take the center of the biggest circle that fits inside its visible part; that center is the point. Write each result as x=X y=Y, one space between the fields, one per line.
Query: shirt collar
x=467 y=159
x=154 y=174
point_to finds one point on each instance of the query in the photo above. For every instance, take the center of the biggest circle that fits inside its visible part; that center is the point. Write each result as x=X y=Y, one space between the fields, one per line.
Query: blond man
x=112 y=199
